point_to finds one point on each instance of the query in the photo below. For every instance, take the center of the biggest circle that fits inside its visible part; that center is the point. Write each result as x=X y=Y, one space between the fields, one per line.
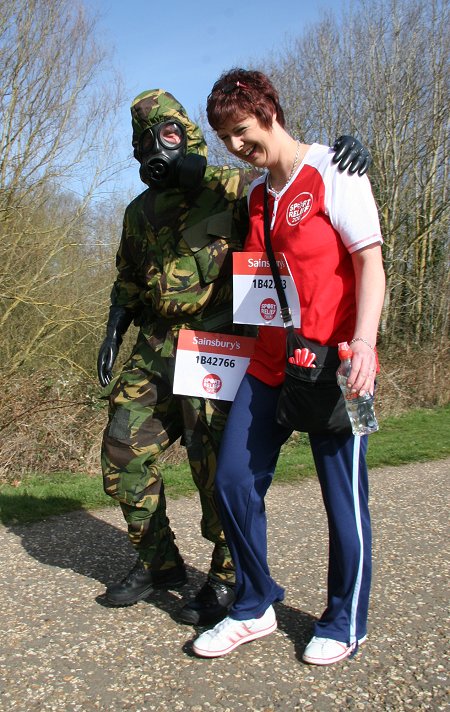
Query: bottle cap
x=344 y=351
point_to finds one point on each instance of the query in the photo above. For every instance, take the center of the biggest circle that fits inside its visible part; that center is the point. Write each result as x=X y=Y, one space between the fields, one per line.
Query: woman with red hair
x=325 y=222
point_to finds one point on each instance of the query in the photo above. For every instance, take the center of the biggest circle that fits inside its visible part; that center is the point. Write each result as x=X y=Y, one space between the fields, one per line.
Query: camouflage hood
x=156 y=105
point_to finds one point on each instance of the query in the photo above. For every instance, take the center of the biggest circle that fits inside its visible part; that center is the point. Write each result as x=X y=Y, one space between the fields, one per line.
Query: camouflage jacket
x=174 y=259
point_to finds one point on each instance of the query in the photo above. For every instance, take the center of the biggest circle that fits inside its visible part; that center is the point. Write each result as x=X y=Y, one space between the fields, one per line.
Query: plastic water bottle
x=359 y=408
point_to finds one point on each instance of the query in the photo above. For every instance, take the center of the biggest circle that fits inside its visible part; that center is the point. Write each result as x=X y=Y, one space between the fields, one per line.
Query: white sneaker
x=229 y=633
x=326 y=651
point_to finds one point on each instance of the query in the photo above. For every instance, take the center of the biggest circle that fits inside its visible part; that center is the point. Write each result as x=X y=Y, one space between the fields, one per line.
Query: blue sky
x=184 y=46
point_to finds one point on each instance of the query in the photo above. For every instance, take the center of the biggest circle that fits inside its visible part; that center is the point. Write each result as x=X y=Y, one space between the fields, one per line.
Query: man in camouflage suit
x=173 y=272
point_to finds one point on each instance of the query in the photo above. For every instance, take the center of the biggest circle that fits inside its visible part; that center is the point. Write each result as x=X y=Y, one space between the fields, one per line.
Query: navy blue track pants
x=248 y=457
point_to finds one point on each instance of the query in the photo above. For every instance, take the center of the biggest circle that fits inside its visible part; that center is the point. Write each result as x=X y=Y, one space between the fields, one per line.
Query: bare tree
x=57 y=107
x=381 y=72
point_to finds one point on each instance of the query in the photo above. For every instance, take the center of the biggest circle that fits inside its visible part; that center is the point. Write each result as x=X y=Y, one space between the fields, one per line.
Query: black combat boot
x=140 y=582
x=210 y=605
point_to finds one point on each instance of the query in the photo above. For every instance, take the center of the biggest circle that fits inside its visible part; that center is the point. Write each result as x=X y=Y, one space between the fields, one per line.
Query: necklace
x=290 y=174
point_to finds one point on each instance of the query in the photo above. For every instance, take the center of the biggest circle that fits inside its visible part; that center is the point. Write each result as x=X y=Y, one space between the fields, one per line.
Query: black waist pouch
x=311 y=400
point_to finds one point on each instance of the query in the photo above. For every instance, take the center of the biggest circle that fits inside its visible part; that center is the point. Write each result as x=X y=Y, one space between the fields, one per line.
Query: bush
x=50 y=422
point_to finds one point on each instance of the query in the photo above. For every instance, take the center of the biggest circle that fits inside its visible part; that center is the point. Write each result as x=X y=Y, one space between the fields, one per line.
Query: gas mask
x=164 y=161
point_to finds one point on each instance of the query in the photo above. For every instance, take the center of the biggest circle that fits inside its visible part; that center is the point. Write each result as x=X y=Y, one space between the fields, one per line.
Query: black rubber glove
x=119 y=320
x=351 y=154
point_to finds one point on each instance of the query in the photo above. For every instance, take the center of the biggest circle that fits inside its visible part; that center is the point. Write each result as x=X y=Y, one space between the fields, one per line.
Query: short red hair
x=243 y=92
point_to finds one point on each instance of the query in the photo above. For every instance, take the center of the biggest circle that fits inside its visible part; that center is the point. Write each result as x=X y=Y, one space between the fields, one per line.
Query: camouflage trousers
x=145 y=418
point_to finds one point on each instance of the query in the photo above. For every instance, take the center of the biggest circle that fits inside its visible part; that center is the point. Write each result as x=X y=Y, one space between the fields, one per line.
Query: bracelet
x=359 y=338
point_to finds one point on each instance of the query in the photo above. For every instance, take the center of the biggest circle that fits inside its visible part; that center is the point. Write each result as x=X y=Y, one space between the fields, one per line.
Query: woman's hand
x=364 y=365
x=369 y=275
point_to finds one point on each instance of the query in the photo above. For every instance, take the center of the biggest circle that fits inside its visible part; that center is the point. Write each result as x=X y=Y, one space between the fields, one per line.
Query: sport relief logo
x=212 y=383
x=268 y=309
x=299 y=208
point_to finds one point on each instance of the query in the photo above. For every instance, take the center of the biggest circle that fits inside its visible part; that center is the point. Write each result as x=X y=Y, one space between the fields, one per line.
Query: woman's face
x=246 y=139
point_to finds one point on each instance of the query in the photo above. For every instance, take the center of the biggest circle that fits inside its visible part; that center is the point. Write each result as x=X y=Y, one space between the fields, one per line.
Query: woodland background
x=380 y=73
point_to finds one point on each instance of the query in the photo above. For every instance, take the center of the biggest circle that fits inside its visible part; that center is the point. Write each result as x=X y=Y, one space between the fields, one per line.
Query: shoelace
x=137 y=567
x=223 y=625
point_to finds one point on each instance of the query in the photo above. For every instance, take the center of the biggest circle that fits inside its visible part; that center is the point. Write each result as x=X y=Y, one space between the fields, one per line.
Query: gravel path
x=61 y=649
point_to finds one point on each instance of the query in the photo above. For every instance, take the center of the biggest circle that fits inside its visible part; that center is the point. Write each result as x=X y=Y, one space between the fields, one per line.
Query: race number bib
x=255 y=299
x=211 y=365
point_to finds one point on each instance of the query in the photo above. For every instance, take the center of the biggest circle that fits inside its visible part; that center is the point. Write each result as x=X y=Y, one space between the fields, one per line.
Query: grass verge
x=416 y=436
